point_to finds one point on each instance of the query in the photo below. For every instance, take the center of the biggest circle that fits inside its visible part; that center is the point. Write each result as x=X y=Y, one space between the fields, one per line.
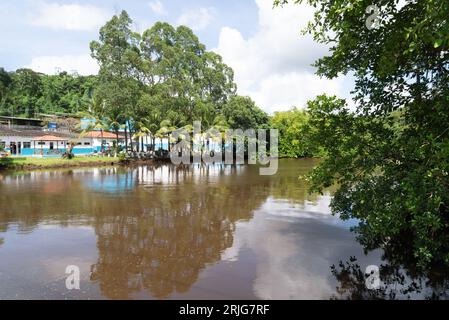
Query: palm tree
x=189 y=129
x=142 y=131
x=166 y=128
x=97 y=114
x=220 y=125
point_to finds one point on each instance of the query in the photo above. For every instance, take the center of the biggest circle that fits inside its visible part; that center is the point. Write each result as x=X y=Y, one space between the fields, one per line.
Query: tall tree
x=118 y=55
x=243 y=113
x=163 y=74
x=392 y=169
x=183 y=74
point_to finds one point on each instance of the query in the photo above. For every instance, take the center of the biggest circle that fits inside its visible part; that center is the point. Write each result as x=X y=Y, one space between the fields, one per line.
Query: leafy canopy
x=390 y=158
x=294 y=130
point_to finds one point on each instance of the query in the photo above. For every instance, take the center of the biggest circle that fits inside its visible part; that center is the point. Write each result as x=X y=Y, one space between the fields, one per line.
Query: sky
x=264 y=45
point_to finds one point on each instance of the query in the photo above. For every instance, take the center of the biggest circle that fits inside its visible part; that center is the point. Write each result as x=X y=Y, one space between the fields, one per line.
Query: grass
x=25 y=162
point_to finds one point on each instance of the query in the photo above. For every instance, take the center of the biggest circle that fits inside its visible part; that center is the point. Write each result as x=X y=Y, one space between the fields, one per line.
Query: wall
x=84 y=146
x=59 y=148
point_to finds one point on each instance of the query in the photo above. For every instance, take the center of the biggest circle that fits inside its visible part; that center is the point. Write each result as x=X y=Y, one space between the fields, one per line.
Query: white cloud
x=288 y=266
x=197 y=19
x=82 y=64
x=279 y=92
x=157 y=7
x=274 y=65
x=68 y=16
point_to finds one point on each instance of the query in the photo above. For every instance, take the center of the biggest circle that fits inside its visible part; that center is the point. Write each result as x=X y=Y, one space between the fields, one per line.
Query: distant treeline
x=150 y=83
x=25 y=93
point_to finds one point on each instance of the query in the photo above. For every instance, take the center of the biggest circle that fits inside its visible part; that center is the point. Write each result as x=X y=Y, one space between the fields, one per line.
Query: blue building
x=33 y=141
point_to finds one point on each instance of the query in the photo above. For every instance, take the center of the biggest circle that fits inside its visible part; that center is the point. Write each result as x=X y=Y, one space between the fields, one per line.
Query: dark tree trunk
x=223 y=149
x=191 y=148
x=116 y=140
x=126 y=139
x=101 y=148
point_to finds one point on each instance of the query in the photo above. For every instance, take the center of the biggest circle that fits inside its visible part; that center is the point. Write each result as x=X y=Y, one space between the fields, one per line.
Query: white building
x=36 y=142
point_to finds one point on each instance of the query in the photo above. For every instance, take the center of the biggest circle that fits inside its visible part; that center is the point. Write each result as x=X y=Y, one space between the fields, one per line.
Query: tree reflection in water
x=168 y=234
x=156 y=228
x=396 y=282
x=152 y=230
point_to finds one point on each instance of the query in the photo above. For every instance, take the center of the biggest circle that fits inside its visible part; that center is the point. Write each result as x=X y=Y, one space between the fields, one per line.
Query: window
x=79 y=144
x=2 y=144
x=41 y=143
x=87 y=143
x=27 y=145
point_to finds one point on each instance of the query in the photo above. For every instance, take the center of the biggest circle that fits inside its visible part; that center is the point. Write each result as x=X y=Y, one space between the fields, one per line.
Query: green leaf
x=438 y=43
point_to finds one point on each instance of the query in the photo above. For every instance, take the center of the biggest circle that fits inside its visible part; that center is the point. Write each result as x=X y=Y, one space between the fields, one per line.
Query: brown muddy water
x=203 y=232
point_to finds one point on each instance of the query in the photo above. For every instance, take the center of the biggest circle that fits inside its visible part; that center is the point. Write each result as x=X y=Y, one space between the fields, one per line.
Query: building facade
x=28 y=141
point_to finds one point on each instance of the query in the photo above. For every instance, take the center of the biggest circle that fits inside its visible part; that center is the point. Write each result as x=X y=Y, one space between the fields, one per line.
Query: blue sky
x=22 y=39
x=263 y=45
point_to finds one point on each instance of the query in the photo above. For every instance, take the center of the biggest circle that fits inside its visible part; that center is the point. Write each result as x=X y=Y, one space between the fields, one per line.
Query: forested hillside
x=25 y=93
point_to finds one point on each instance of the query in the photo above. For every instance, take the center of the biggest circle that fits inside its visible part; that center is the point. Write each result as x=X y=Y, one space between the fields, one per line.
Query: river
x=165 y=232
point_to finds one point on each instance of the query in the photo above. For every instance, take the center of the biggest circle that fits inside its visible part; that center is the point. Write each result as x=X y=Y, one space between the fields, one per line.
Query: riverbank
x=24 y=163
x=30 y=163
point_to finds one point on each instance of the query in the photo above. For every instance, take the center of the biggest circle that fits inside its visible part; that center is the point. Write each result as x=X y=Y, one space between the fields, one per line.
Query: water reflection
x=156 y=232
x=112 y=180
x=396 y=282
x=167 y=236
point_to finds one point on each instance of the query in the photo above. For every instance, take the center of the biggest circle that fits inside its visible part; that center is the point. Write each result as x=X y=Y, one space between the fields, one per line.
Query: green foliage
x=27 y=93
x=65 y=93
x=242 y=113
x=122 y=157
x=5 y=82
x=390 y=157
x=294 y=130
x=164 y=74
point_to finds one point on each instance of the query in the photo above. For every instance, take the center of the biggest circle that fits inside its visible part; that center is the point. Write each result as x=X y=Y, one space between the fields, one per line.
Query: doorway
x=13 y=148
x=52 y=145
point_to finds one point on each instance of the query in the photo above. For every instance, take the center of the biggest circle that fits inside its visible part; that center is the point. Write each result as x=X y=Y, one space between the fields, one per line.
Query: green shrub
x=122 y=156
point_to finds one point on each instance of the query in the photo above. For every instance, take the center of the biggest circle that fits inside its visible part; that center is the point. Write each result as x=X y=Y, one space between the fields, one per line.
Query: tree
x=97 y=113
x=27 y=93
x=294 y=130
x=392 y=168
x=149 y=112
x=163 y=74
x=118 y=55
x=242 y=113
x=192 y=83
x=27 y=88
x=165 y=130
x=65 y=93
x=5 y=82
